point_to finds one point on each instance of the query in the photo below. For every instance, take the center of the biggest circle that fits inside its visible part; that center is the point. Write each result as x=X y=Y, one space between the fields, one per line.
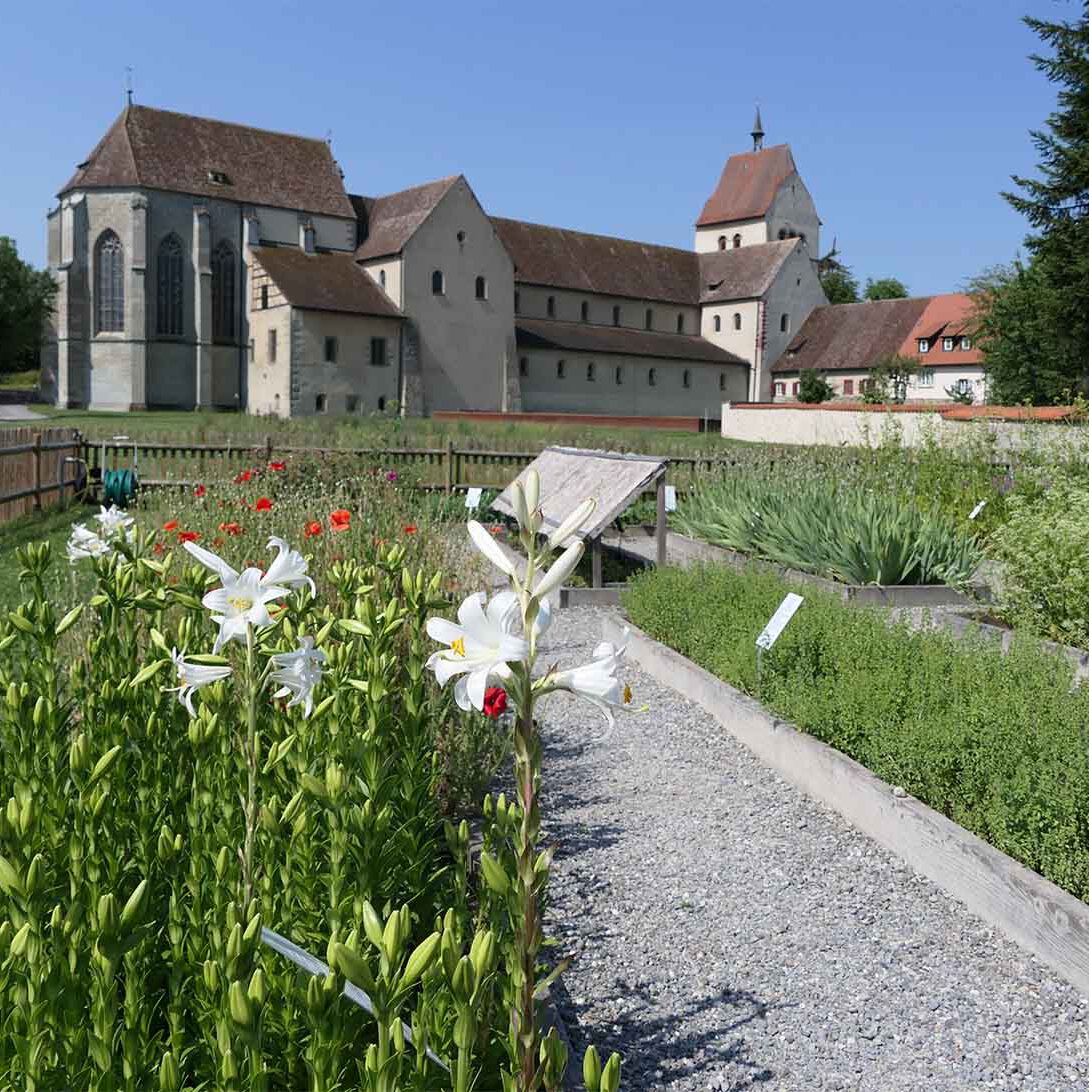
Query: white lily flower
x=532 y=491
x=83 y=543
x=191 y=677
x=491 y=549
x=561 y=569
x=596 y=681
x=289 y=568
x=572 y=525
x=298 y=673
x=116 y=523
x=518 y=503
x=480 y=644
x=212 y=561
x=242 y=602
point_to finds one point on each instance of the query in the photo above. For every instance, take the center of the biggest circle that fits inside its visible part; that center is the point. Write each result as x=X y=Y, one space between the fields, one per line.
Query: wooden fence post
x=268 y=449
x=595 y=562
x=37 y=472
x=449 y=466
x=660 y=526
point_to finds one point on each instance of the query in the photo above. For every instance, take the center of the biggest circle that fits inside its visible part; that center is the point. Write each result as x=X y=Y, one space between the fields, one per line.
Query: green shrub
x=813 y=387
x=859 y=537
x=1045 y=547
x=997 y=743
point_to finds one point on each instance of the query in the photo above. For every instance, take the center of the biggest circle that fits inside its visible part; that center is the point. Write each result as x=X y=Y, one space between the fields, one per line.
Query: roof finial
x=757 y=132
x=128 y=83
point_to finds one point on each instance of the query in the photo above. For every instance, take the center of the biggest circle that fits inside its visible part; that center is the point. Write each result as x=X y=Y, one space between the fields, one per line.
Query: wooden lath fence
x=38 y=469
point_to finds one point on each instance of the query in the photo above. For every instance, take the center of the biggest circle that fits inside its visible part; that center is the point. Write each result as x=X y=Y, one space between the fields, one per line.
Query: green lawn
x=19 y=380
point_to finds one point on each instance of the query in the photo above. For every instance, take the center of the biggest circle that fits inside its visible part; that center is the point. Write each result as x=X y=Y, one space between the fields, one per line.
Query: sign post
x=771 y=632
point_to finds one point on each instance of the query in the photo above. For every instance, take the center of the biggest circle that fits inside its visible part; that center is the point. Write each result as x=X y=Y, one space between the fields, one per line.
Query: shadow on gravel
x=658 y=1049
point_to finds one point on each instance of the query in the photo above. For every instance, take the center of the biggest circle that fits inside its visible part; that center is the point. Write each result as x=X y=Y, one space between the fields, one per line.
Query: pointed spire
x=758 y=132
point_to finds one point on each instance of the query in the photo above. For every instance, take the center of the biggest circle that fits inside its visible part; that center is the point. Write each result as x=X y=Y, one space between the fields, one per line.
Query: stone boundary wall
x=1050 y=923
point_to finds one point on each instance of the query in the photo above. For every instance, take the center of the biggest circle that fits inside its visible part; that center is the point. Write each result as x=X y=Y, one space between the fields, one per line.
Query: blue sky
x=906 y=119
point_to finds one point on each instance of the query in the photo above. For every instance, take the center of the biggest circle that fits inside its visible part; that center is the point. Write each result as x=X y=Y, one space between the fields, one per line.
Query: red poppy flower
x=495 y=701
x=157 y=548
x=311 y=529
x=199 y=491
x=231 y=528
x=245 y=476
x=340 y=520
x=410 y=529
x=263 y=505
x=188 y=536
x=170 y=525
x=277 y=466
x=496 y=528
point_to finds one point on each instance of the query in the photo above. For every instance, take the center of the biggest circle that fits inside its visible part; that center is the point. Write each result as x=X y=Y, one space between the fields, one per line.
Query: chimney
x=306 y=236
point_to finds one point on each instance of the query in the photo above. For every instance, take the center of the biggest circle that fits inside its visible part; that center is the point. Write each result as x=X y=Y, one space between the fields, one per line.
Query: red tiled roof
x=851 y=336
x=748 y=185
x=163 y=150
x=746 y=272
x=948 y=315
x=328 y=281
x=560 y=258
x=585 y=337
x=387 y=223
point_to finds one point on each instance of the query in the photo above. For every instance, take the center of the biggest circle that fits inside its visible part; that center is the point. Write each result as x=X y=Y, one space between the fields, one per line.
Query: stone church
x=206 y=264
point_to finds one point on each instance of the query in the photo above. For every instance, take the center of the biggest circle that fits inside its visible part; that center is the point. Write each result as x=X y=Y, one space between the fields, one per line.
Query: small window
x=686 y=378
x=561 y=368
x=616 y=315
x=965 y=343
x=321 y=403
x=926 y=377
x=795 y=388
x=737 y=240
x=550 y=306
x=272 y=346
x=517 y=302
x=722 y=242
x=590 y=372
x=718 y=324
x=585 y=311
x=382 y=278
x=619 y=374
x=481 y=288
x=523 y=366
x=264 y=297
x=351 y=404
x=721 y=381
x=782 y=234
x=947 y=344
x=780 y=390
x=924 y=345
x=680 y=324
x=784 y=323
x=438 y=283
x=963 y=386
x=219 y=178
x=648 y=319
x=848 y=386
x=737 y=320
x=652 y=377
x=382 y=404
x=330 y=350
x=378 y=351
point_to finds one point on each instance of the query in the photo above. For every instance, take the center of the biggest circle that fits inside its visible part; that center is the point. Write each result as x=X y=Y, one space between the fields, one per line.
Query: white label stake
x=975 y=511
x=472 y=497
x=671 y=498
x=778 y=621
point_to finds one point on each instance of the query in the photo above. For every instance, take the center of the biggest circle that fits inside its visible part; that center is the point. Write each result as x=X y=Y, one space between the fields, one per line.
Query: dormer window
x=924 y=345
x=965 y=343
x=219 y=178
x=947 y=344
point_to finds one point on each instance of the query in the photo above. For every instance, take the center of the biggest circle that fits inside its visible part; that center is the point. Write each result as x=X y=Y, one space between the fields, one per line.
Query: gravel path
x=730 y=933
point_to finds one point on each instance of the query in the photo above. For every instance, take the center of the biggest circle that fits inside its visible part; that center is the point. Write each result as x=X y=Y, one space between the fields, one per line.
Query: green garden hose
x=119 y=487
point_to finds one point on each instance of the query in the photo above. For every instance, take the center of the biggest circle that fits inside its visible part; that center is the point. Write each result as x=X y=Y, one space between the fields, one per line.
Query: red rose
x=199 y=491
x=340 y=520
x=263 y=505
x=170 y=525
x=495 y=701
x=188 y=536
x=277 y=466
x=311 y=529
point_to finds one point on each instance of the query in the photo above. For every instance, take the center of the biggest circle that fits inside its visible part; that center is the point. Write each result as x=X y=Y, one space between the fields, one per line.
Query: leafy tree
x=1036 y=317
x=840 y=285
x=955 y=394
x=813 y=387
x=885 y=288
x=888 y=379
x=26 y=302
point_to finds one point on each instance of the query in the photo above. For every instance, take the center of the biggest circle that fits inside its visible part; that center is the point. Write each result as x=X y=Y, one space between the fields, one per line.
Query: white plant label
x=671 y=498
x=472 y=497
x=778 y=621
x=978 y=508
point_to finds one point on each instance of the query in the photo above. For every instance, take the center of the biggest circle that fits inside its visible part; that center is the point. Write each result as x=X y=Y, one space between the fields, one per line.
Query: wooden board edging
x=1032 y=911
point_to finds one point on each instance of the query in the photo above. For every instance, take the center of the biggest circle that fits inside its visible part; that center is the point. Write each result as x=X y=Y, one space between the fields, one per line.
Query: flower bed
x=227 y=737
x=996 y=743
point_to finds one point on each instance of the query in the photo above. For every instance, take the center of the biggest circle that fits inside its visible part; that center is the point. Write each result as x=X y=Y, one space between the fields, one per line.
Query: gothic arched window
x=718 y=323
x=722 y=242
x=223 y=292
x=109 y=284
x=170 y=285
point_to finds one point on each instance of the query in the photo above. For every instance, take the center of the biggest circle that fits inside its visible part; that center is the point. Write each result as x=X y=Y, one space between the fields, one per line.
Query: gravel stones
x=728 y=933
